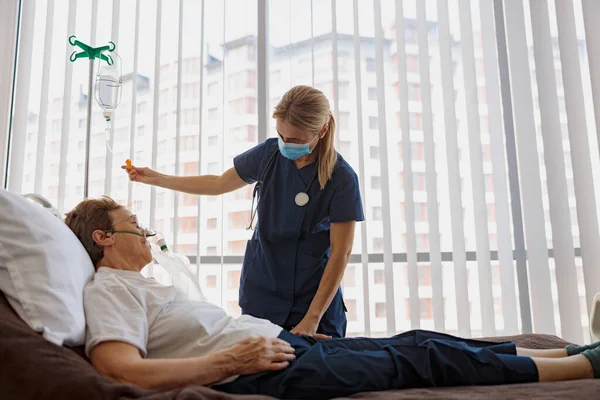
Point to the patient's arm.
(123, 362)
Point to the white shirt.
(159, 320)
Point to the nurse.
(308, 202)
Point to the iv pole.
(92, 53)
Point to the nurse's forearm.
(211, 185)
(332, 277)
(200, 185)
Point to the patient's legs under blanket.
(341, 367)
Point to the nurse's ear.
(324, 131)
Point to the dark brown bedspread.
(32, 368)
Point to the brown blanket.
(33, 368)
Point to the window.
(378, 245)
(233, 279)
(374, 152)
(212, 88)
(190, 200)
(211, 280)
(213, 113)
(344, 120)
(417, 151)
(414, 92)
(482, 95)
(480, 68)
(350, 277)
(410, 34)
(424, 308)
(190, 143)
(213, 167)
(141, 131)
(187, 224)
(377, 214)
(213, 140)
(237, 247)
(164, 96)
(251, 53)
(484, 123)
(239, 219)
(489, 183)
(141, 107)
(378, 277)
(346, 148)
(376, 182)
(493, 239)
(211, 250)
(250, 133)
(190, 117)
(160, 200)
(419, 181)
(496, 274)
(251, 105)
(243, 106)
(412, 64)
(275, 77)
(415, 121)
(233, 308)
(424, 274)
(211, 224)
(372, 93)
(344, 90)
(491, 208)
(373, 123)
(187, 249)
(487, 152)
(163, 121)
(351, 306)
(245, 193)
(422, 242)
(380, 310)
(371, 65)
(237, 81)
(189, 168)
(421, 212)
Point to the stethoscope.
(301, 199)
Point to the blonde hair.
(307, 108)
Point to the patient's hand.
(254, 355)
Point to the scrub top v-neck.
(289, 250)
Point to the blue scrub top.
(288, 252)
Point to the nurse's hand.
(259, 354)
(308, 327)
(143, 175)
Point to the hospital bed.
(34, 368)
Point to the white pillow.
(43, 270)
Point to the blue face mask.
(294, 151)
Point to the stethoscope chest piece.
(301, 199)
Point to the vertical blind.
(471, 125)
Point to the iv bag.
(109, 84)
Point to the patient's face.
(133, 248)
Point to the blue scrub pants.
(414, 359)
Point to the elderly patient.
(151, 335)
